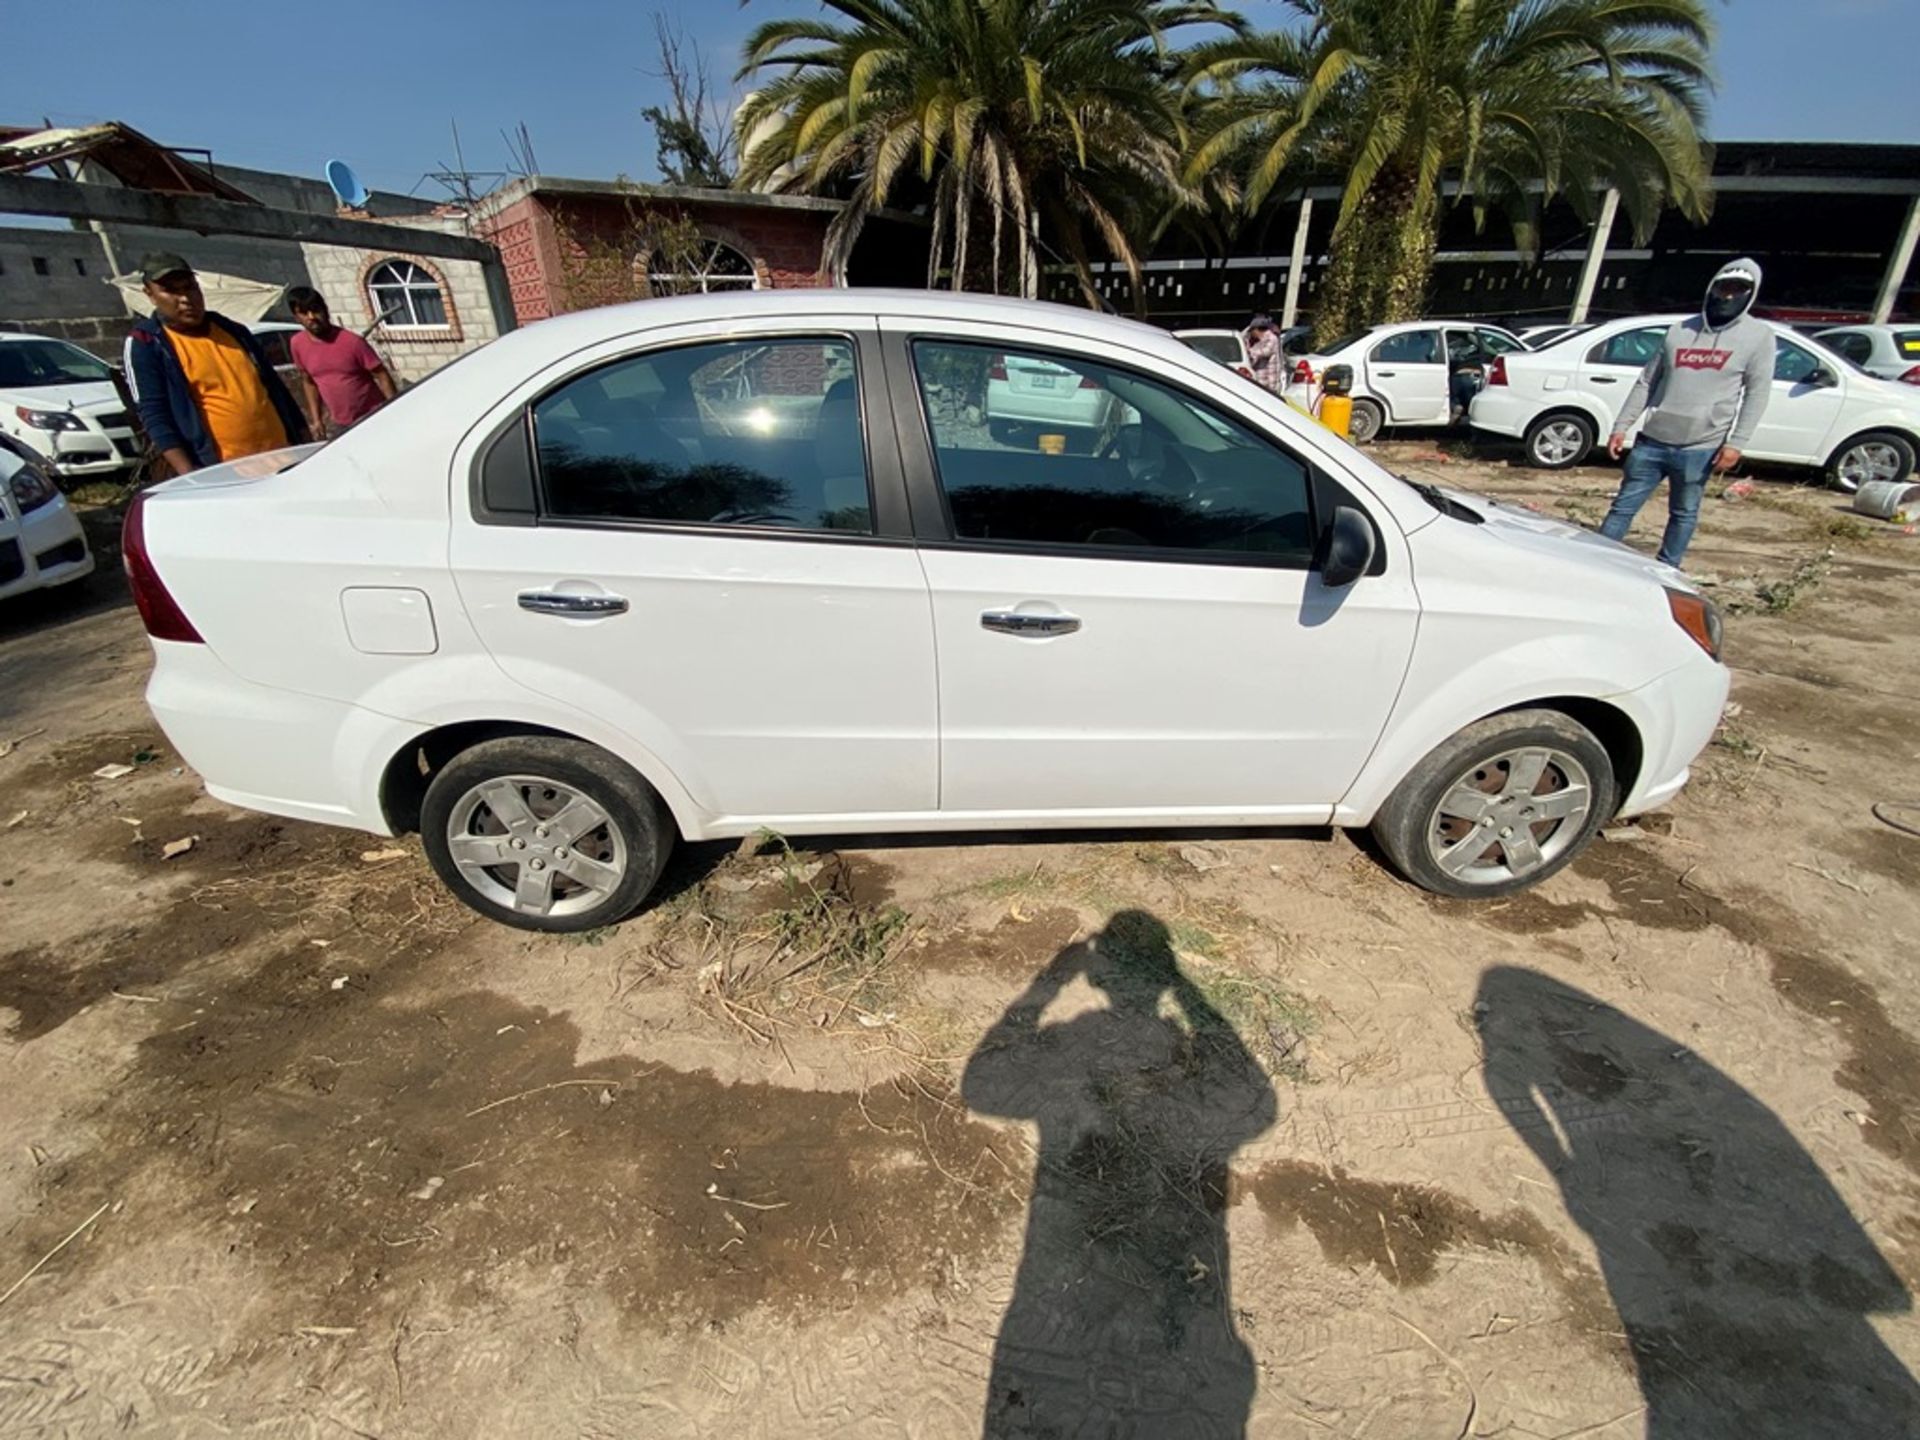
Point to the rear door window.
(755, 433)
(1850, 343)
(1165, 477)
(1629, 347)
(1409, 347)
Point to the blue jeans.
(1685, 471)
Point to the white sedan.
(572, 599)
(1824, 411)
(1890, 351)
(41, 542)
(61, 402)
(1402, 374)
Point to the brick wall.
(575, 251)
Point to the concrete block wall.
(340, 273)
(75, 285)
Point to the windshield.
(1345, 341)
(25, 364)
(1224, 348)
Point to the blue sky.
(376, 82)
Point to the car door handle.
(1605, 379)
(553, 602)
(1017, 622)
(1386, 374)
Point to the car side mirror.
(1347, 549)
(1823, 378)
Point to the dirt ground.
(1136, 1135)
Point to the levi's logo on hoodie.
(1701, 358)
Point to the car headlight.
(48, 419)
(32, 488)
(1698, 616)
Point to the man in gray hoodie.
(1708, 387)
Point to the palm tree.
(1019, 116)
(1519, 101)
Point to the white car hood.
(85, 395)
(1517, 525)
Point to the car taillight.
(1912, 377)
(997, 368)
(1302, 373)
(1497, 371)
(1243, 370)
(1087, 382)
(159, 611)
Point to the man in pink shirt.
(336, 366)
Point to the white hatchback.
(61, 402)
(1824, 411)
(703, 566)
(41, 541)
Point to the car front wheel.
(1500, 806)
(545, 833)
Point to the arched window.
(703, 266)
(404, 293)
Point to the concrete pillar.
(1897, 265)
(1596, 257)
(499, 293)
(1290, 313)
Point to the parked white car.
(574, 597)
(1539, 337)
(1402, 374)
(1224, 347)
(1890, 351)
(1825, 412)
(61, 402)
(41, 542)
(1029, 396)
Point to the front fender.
(1434, 707)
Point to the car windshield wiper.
(1445, 503)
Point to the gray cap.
(159, 263)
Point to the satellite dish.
(346, 185)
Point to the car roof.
(1208, 330)
(508, 359)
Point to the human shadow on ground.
(1742, 1280)
(1121, 1322)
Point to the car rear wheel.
(1500, 806)
(1368, 421)
(1555, 442)
(545, 833)
(1877, 455)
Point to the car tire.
(494, 801)
(1559, 441)
(1367, 423)
(1876, 455)
(1443, 837)
(1003, 432)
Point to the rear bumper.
(46, 547)
(1066, 408)
(1498, 410)
(269, 749)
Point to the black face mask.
(1725, 309)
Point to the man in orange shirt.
(205, 392)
